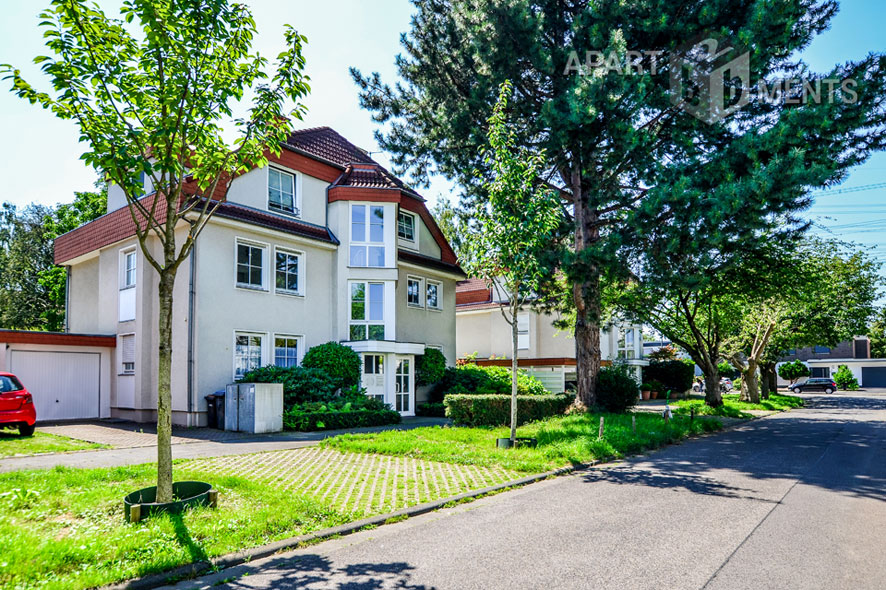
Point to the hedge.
(674, 375)
(495, 410)
(300, 385)
(308, 422)
(474, 379)
(431, 409)
(340, 362)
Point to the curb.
(195, 569)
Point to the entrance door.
(404, 393)
(374, 375)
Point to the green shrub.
(845, 379)
(727, 370)
(476, 380)
(674, 375)
(495, 410)
(616, 389)
(429, 367)
(352, 411)
(736, 384)
(300, 385)
(431, 409)
(340, 362)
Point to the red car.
(16, 405)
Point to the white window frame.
(301, 271)
(439, 285)
(263, 360)
(123, 363)
(124, 268)
(299, 346)
(366, 305)
(366, 243)
(296, 191)
(422, 295)
(622, 349)
(265, 267)
(414, 239)
(523, 336)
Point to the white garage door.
(65, 385)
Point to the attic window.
(281, 192)
(406, 226)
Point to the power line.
(850, 189)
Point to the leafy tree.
(845, 379)
(665, 353)
(877, 333)
(455, 227)
(793, 370)
(153, 103)
(513, 228)
(629, 163)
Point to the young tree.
(877, 333)
(516, 224)
(793, 370)
(153, 104)
(625, 156)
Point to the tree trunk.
(768, 383)
(164, 389)
(514, 369)
(586, 297)
(749, 390)
(712, 396)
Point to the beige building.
(543, 350)
(322, 244)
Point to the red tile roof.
(473, 292)
(326, 144)
(57, 338)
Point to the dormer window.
(281, 192)
(406, 226)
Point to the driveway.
(791, 501)
(137, 443)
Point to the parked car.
(16, 405)
(725, 385)
(825, 384)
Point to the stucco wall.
(251, 189)
(423, 325)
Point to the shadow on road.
(310, 571)
(840, 445)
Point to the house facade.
(323, 244)
(482, 333)
(823, 361)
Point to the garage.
(65, 385)
(873, 376)
(69, 375)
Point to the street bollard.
(600, 435)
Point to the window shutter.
(523, 330)
(127, 343)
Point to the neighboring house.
(543, 350)
(823, 361)
(322, 244)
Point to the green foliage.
(495, 410)
(562, 440)
(431, 409)
(429, 367)
(616, 389)
(300, 384)
(340, 414)
(727, 370)
(455, 227)
(845, 379)
(793, 370)
(665, 353)
(733, 407)
(877, 333)
(473, 379)
(340, 362)
(736, 383)
(674, 375)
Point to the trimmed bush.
(431, 409)
(476, 380)
(793, 371)
(300, 385)
(340, 362)
(495, 410)
(674, 375)
(347, 412)
(845, 379)
(616, 389)
(429, 367)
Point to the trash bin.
(215, 410)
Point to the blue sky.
(40, 153)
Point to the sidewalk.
(137, 443)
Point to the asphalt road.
(791, 501)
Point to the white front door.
(404, 400)
(374, 375)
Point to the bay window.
(367, 311)
(367, 235)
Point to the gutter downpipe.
(191, 297)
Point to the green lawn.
(64, 528)
(11, 444)
(562, 440)
(734, 408)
